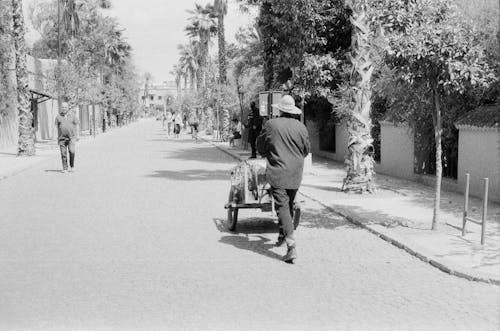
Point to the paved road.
(135, 240)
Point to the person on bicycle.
(194, 123)
(284, 142)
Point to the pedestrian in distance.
(164, 120)
(67, 133)
(284, 142)
(236, 131)
(184, 122)
(194, 123)
(169, 121)
(177, 124)
(254, 125)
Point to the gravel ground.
(135, 240)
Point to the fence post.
(466, 202)
(485, 210)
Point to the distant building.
(157, 97)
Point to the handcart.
(250, 190)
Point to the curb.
(444, 267)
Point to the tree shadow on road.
(202, 153)
(191, 175)
(324, 188)
(324, 219)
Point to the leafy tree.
(247, 65)
(436, 52)
(95, 52)
(291, 30)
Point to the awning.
(39, 97)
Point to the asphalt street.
(135, 240)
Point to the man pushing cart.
(273, 183)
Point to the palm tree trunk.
(178, 84)
(26, 143)
(193, 80)
(360, 160)
(439, 166)
(226, 123)
(199, 78)
(222, 50)
(202, 64)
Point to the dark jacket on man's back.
(285, 143)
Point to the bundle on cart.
(248, 181)
(250, 189)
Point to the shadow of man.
(256, 244)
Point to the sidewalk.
(11, 164)
(401, 213)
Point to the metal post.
(485, 210)
(466, 202)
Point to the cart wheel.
(232, 214)
(296, 215)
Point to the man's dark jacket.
(254, 124)
(285, 143)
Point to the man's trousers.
(67, 145)
(283, 199)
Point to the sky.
(154, 28)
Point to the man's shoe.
(64, 171)
(280, 241)
(291, 255)
(72, 169)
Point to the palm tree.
(26, 143)
(202, 26)
(220, 8)
(117, 50)
(189, 61)
(148, 78)
(70, 17)
(359, 160)
(178, 73)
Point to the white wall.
(312, 127)
(47, 112)
(479, 155)
(396, 150)
(341, 141)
